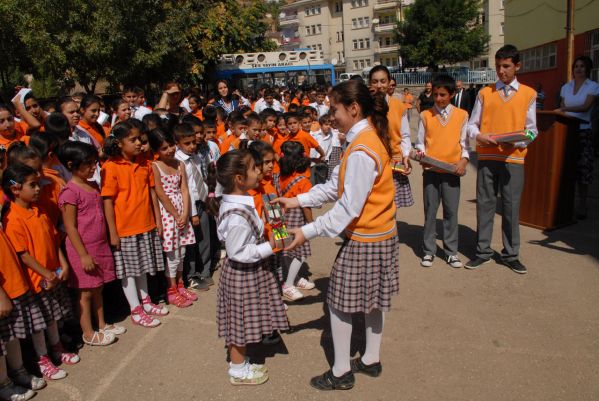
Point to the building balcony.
(386, 48)
(289, 20)
(385, 4)
(385, 28)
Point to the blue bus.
(292, 69)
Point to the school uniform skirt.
(248, 303)
(403, 191)
(365, 276)
(139, 254)
(56, 304)
(25, 318)
(294, 218)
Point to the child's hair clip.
(13, 182)
(211, 195)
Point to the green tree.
(438, 32)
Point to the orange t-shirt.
(230, 141)
(221, 132)
(12, 280)
(128, 184)
(93, 130)
(199, 115)
(295, 101)
(300, 187)
(19, 136)
(30, 230)
(305, 139)
(51, 186)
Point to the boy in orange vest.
(505, 106)
(442, 136)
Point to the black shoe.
(208, 280)
(272, 339)
(476, 263)
(372, 370)
(516, 266)
(196, 283)
(328, 381)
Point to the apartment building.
(492, 16)
(352, 34)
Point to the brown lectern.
(550, 173)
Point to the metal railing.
(467, 77)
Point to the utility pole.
(569, 39)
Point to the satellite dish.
(334, 61)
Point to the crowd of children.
(89, 197)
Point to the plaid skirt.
(364, 276)
(403, 192)
(294, 218)
(248, 303)
(334, 160)
(139, 254)
(56, 304)
(25, 318)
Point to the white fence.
(467, 77)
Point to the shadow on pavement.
(411, 235)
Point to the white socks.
(341, 328)
(294, 268)
(374, 334)
(237, 370)
(130, 290)
(174, 261)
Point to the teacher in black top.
(425, 100)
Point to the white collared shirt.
(475, 117)
(214, 151)
(322, 109)
(588, 88)
(138, 112)
(360, 174)
(324, 141)
(420, 143)
(261, 105)
(237, 234)
(197, 190)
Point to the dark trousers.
(198, 257)
(508, 180)
(445, 189)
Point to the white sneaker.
(427, 261)
(305, 284)
(247, 376)
(292, 293)
(454, 261)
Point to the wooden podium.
(550, 173)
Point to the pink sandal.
(177, 299)
(59, 354)
(155, 310)
(186, 293)
(143, 318)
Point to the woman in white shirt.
(577, 98)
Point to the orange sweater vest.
(499, 115)
(394, 115)
(376, 222)
(442, 138)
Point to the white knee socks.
(174, 261)
(294, 268)
(341, 328)
(374, 334)
(130, 290)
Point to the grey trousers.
(445, 189)
(198, 257)
(508, 179)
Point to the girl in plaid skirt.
(133, 219)
(366, 272)
(36, 242)
(18, 308)
(249, 304)
(294, 163)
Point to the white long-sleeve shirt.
(406, 140)
(420, 144)
(198, 190)
(360, 174)
(261, 105)
(475, 117)
(238, 235)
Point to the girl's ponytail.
(213, 203)
(380, 108)
(118, 132)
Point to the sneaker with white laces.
(249, 377)
(25, 379)
(305, 284)
(454, 261)
(13, 392)
(49, 370)
(427, 261)
(292, 293)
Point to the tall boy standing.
(505, 106)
